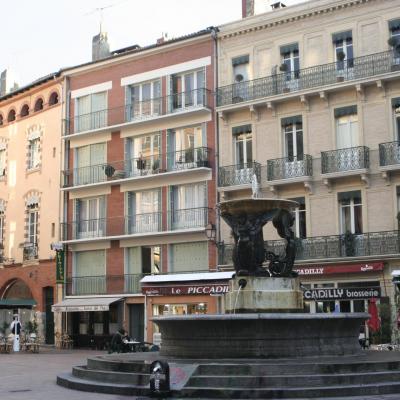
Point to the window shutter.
(291, 120)
(238, 130)
(289, 48)
(240, 60)
(349, 195)
(189, 257)
(396, 102)
(394, 24)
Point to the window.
(184, 147)
(343, 47)
(293, 135)
(241, 74)
(143, 154)
(30, 247)
(299, 214)
(144, 99)
(1, 229)
(53, 99)
(398, 200)
(90, 112)
(34, 153)
(290, 61)
(11, 116)
(350, 212)
(394, 40)
(188, 257)
(2, 163)
(90, 217)
(346, 127)
(89, 272)
(243, 140)
(187, 89)
(1, 119)
(38, 105)
(24, 110)
(396, 117)
(143, 211)
(90, 166)
(188, 206)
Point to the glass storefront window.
(83, 322)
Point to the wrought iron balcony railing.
(239, 174)
(288, 168)
(389, 154)
(307, 78)
(343, 160)
(139, 111)
(30, 252)
(136, 167)
(108, 284)
(188, 159)
(329, 247)
(139, 223)
(188, 218)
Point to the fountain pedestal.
(253, 294)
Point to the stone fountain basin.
(255, 206)
(263, 335)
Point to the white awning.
(85, 304)
(200, 276)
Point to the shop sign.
(180, 290)
(60, 266)
(80, 308)
(342, 293)
(338, 269)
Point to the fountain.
(264, 346)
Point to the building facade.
(138, 184)
(30, 134)
(308, 104)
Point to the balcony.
(98, 285)
(30, 252)
(239, 176)
(286, 170)
(320, 76)
(382, 244)
(139, 167)
(139, 224)
(389, 156)
(188, 218)
(345, 162)
(141, 112)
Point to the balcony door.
(189, 204)
(90, 217)
(143, 209)
(294, 151)
(243, 143)
(291, 66)
(89, 272)
(143, 154)
(187, 90)
(182, 146)
(91, 112)
(144, 100)
(90, 162)
(344, 55)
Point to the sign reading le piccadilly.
(205, 289)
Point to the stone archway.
(17, 289)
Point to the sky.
(43, 36)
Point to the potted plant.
(283, 67)
(392, 42)
(201, 158)
(340, 57)
(156, 166)
(3, 328)
(189, 155)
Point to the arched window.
(39, 104)
(53, 99)
(11, 116)
(24, 110)
(1, 119)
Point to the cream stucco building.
(308, 102)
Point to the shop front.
(182, 294)
(91, 322)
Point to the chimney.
(7, 82)
(100, 46)
(254, 7)
(247, 8)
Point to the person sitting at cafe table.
(117, 341)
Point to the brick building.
(309, 102)
(138, 184)
(29, 202)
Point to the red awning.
(339, 268)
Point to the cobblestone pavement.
(26, 376)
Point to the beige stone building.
(309, 103)
(30, 137)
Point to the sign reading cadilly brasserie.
(190, 289)
(342, 293)
(338, 269)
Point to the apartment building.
(30, 133)
(309, 105)
(139, 188)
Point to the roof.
(198, 276)
(36, 82)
